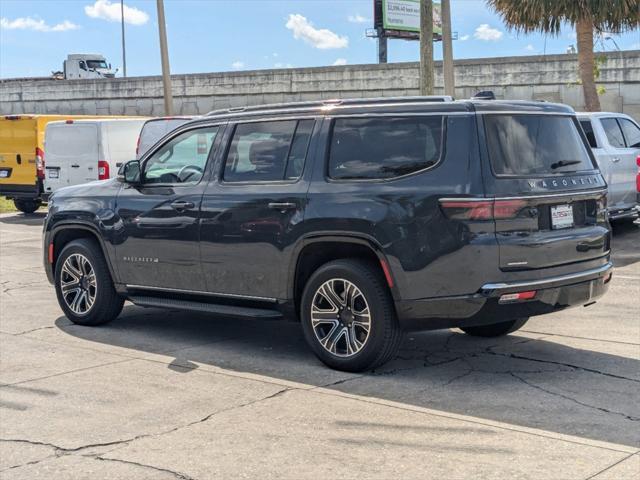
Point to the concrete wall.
(550, 77)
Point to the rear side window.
(588, 131)
(631, 133)
(385, 147)
(535, 144)
(268, 151)
(613, 132)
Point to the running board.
(228, 310)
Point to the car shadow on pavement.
(32, 219)
(522, 379)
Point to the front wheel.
(495, 329)
(348, 317)
(83, 284)
(27, 206)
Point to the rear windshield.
(154, 130)
(535, 145)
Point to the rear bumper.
(483, 308)
(620, 214)
(28, 192)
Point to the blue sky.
(224, 35)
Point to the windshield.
(97, 64)
(535, 145)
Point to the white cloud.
(38, 25)
(464, 38)
(237, 65)
(106, 10)
(358, 19)
(340, 61)
(530, 48)
(319, 38)
(487, 33)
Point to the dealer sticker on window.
(561, 216)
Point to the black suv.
(361, 218)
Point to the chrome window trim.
(524, 197)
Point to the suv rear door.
(253, 210)
(549, 196)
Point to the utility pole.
(382, 47)
(164, 55)
(124, 54)
(447, 49)
(426, 47)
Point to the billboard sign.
(401, 18)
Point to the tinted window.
(535, 144)
(154, 130)
(631, 133)
(614, 134)
(378, 148)
(268, 151)
(588, 130)
(181, 160)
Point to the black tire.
(27, 206)
(107, 304)
(495, 329)
(384, 334)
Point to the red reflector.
(12, 117)
(39, 163)
(638, 160)
(69, 122)
(517, 297)
(387, 272)
(103, 170)
(51, 253)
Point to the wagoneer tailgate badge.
(564, 182)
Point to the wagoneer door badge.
(564, 182)
(140, 259)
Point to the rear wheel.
(27, 206)
(495, 329)
(83, 284)
(348, 316)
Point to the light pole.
(164, 55)
(124, 53)
(426, 47)
(447, 49)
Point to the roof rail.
(313, 104)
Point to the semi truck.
(85, 65)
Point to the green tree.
(585, 16)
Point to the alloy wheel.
(340, 317)
(78, 284)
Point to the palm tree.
(585, 15)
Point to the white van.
(81, 151)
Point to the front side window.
(613, 132)
(268, 151)
(385, 147)
(526, 144)
(631, 133)
(182, 160)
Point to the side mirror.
(109, 66)
(129, 172)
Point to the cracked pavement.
(173, 395)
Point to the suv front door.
(252, 211)
(158, 243)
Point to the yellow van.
(22, 157)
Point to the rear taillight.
(464, 209)
(103, 170)
(39, 163)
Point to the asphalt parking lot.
(165, 394)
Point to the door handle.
(180, 205)
(75, 165)
(282, 206)
(615, 159)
